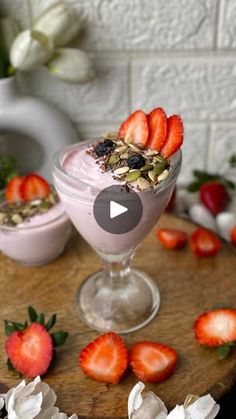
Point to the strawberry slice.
(153, 362)
(31, 350)
(13, 189)
(137, 127)
(233, 236)
(204, 242)
(214, 197)
(157, 123)
(105, 359)
(174, 137)
(216, 327)
(171, 238)
(34, 187)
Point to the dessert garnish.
(138, 152)
(26, 197)
(105, 359)
(171, 238)
(217, 329)
(152, 362)
(30, 347)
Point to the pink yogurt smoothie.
(79, 189)
(39, 239)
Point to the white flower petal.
(135, 399)
(49, 395)
(30, 50)
(71, 65)
(48, 413)
(29, 407)
(179, 412)
(2, 402)
(146, 405)
(58, 22)
(203, 408)
(225, 222)
(12, 395)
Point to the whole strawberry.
(29, 347)
(214, 196)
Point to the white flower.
(9, 30)
(32, 401)
(71, 65)
(58, 22)
(30, 50)
(149, 406)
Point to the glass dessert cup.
(36, 245)
(117, 297)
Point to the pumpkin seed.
(133, 175)
(121, 149)
(143, 183)
(121, 170)
(124, 156)
(146, 167)
(152, 175)
(128, 139)
(160, 159)
(113, 159)
(163, 175)
(159, 168)
(112, 135)
(134, 147)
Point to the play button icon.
(117, 209)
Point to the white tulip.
(71, 65)
(9, 30)
(58, 22)
(200, 215)
(30, 50)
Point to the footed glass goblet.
(117, 297)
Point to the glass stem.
(117, 272)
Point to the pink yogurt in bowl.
(38, 239)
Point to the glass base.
(121, 306)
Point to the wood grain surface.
(188, 286)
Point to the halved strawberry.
(31, 350)
(174, 137)
(233, 235)
(136, 125)
(13, 189)
(34, 187)
(153, 362)
(216, 327)
(105, 359)
(157, 123)
(204, 242)
(171, 238)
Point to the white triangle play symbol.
(116, 209)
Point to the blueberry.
(136, 161)
(101, 149)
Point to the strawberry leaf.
(59, 338)
(19, 326)
(224, 350)
(51, 322)
(9, 328)
(32, 314)
(41, 319)
(9, 365)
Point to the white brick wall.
(179, 54)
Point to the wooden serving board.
(188, 286)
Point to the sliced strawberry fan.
(154, 131)
(26, 188)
